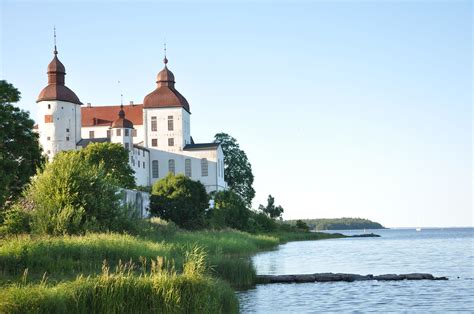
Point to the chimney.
(131, 103)
(89, 105)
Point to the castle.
(157, 133)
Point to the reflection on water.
(442, 252)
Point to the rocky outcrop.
(332, 277)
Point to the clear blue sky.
(344, 108)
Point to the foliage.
(271, 210)
(160, 291)
(300, 224)
(20, 153)
(237, 168)
(114, 158)
(340, 223)
(71, 196)
(229, 211)
(15, 221)
(181, 200)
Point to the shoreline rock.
(334, 277)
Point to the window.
(118, 132)
(139, 164)
(154, 169)
(154, 142)
(171, 141)
(170, 123)
(187, 167)
(143, 153)
(127, 146)
(143, 165)
(204, 167)
(133, 161)
(48, 152)
(108, 133)
(48, 138)
(127, 132)
(171, 166)
(67, 130)
(48, 118)
(67, 138)
(91, 134)
(153, 124)
(134, 133)
(49, 106)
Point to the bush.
(181, 200)
(260, 222)
(300, 224)
(72, 196)
(15, 221)
(229, 211)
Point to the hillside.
(344, 223)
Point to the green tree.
(181, 200)
(238, 170)
(271, 210)
(114, 158)
(229, 211)
(300, 224)
(72, 196)
(20, 153)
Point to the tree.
(181, 200)
(229, 211)
(20, 153)
(300, 224)
(271, 210)
(237, 168)
(72, 196)
(114, 158)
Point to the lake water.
(441, 252)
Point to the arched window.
(204, 167)
(171, 166)
(187, 167)
(154, 169)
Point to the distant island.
(339, 223)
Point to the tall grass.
(160, 291)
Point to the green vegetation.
(20, 153)
(238, 170)
(181, 200)
(270, 209)
(339, 224)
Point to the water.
(441, 252)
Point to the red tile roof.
(105, 115)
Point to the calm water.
(441, 252)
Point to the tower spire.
(165, 60)
(55, 50)
(121, 112)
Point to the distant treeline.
(339, 224)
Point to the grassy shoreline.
(64, 261)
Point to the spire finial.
(55, 50)
(121, 112)
(165, 60)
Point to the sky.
(344, 108)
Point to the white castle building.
(157, 133)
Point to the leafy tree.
(20, 153)
(72, 196)
(181, 200)
(271, 210)
(114, 158)
(300, 224)
(238, 170)
(229, 211)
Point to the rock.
(366, 235)
(417, 276)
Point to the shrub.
(181, 200)
(229, 211)
(71, 196)
(15, 221)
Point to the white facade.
(59, 126)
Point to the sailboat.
(418, 229)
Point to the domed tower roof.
(121, 122)
(56, 90)
(165, 95)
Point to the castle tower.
(121, 131)
(59, 122)
(166, 115)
